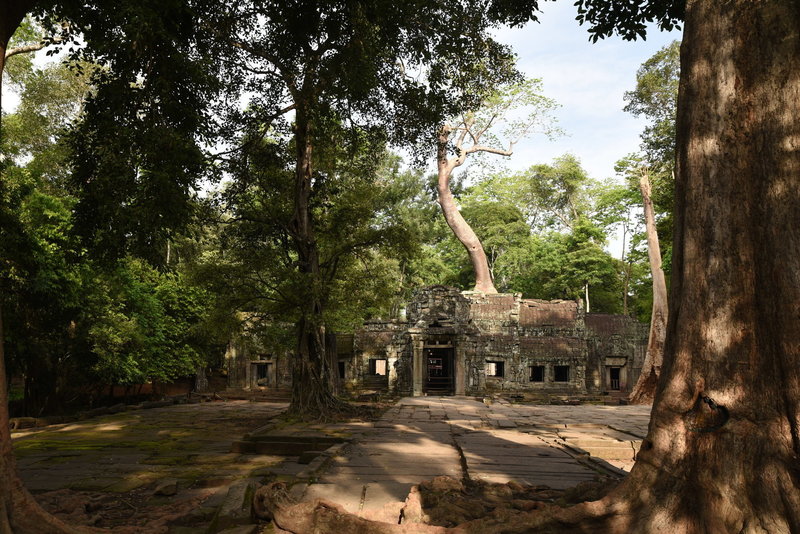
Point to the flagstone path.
(423, 437)
(124, 457)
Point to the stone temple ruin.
(471, 343)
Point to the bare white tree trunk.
(460, 227)
(645, 388)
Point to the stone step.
(608, 453)
(237, 508)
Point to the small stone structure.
(471, 343)
(250, 366)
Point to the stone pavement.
(120, 459)
(423, 437)
(153, 469)
(121, 452)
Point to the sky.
(589, 81)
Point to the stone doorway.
(262, 374)
(439, 365)
(614, 378)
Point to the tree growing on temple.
(476, 132)
(357, 73)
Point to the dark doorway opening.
(341, 366)
(261, 374)
(439, 371)
(614, 376)
(561, 373)
(537, 373)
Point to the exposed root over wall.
(442, 506)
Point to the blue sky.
(588, 80)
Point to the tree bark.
(645, 388)
(460, 227)
(312, 379)
(586, 295)
(626, 271)
(733, 328)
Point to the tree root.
(445, 506)
(23, 515)
(273, 502)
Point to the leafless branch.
(25, 49)
(490, 150)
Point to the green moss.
(172, 459)
(32, 445)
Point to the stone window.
(495, 368)
(561, 373)
(341, 370)
(377, 366)
(537, 373)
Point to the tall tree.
(720, 455)
(152, 78)
(472, 133)
(559, 192)
(655, 97)
(18, 510)
(353, 71)
(645, 387)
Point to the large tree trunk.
(460, 227)
(312, 379)
(645, 388)
(733, 326)
(721, 454)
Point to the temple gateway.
(471, 343)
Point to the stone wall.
(491, 343)
(501, 343)
(251, 366)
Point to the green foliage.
(17, 67)
(558, 192)
(50, 98)
(137, 151)
(503, 229)
(629, 19)
(656, 98)
(368, 232)
(543, 230)
(145, 325)
(69, 323)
